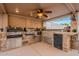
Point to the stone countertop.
(67, 33)
(1, 32)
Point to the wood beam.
(25, 17)
(39, 6)
(71, 7)
(3, 8)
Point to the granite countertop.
(67, 33)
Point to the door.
(58, 41)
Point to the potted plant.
(74, 30)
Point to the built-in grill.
(14, 32)
(14, 38)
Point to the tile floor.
(38, 49)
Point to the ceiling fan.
(40, 13)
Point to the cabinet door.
(58, 41)
(18, 42)
(8, 43)
(13, 43)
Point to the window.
(58, 23)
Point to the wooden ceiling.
(25, 9)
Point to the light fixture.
(40, 14)
(17, 10)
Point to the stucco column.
(78, 24)
(5, 20)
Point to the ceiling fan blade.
(45, 15)
(48, 11)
